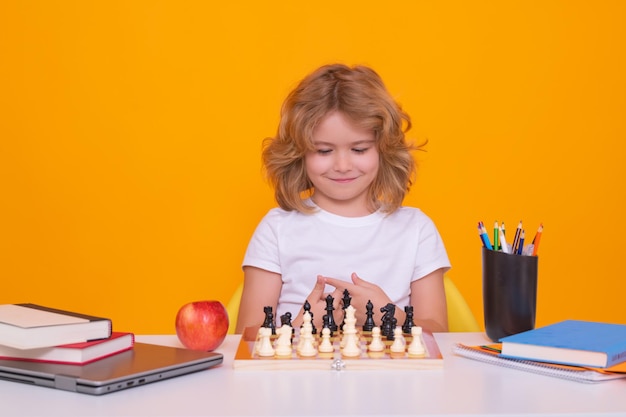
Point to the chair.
(460, 317)
(233, 309)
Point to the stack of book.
(31, 332)
(583, 351)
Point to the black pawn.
(369, 317)
(325, 323)
(408, 322)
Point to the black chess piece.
(325, 323)
(345, 301)
(369, 317)
(269, 319)
(389, 322)
(408, 322)
(307, 309)
(313, 328)
(329, 311)
(285, 319)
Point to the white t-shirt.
(390, 250)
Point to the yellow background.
(130, 177)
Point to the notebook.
(491, 354)
(143, 364)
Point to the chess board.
(246, 359)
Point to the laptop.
(143, 364)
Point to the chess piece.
(326, 346)
(376, 345)
(329, 311)
(388, 321)
(306, 345)
(349, 325)
(282, 346)
(408, 322)
(369, 324)
(269, 319)
(399, 343)
(416, 347)
(307, 309)
(345, 301)
(285, 319)
(350, 338)
(264, 344)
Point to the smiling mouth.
(343, 180)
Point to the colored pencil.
(537, 239)
(518, 231)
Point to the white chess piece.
(306, 345)
(349, 325)
(350, 339)
(376, 345)
(326, 346)
(283, 343)
(265, 345)
(399, 343)
(416, 347)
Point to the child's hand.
(361, 292)
(317, 300)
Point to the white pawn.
(326, 346)
(306, 345)
(264, 344)
(399, 343)
(376, 345)
(351, 346)
(283, 343)
(416, 347)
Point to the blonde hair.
(359, 94)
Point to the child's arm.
(261, 288)
(428, 298)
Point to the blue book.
(570, 342)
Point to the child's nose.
(343, 162)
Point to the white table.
(462, 387)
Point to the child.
(340, 167)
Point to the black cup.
(509, 293)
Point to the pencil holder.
(509, 293)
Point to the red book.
(75, 353)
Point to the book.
(74, 353)
(570, 342)
(30, 326)
(491, 354)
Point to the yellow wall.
(130, 138)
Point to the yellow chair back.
(460, 316)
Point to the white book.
(30, 326)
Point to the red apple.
(202, 325)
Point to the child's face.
(343, 165)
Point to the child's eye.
(360, 150)
(324, 151)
